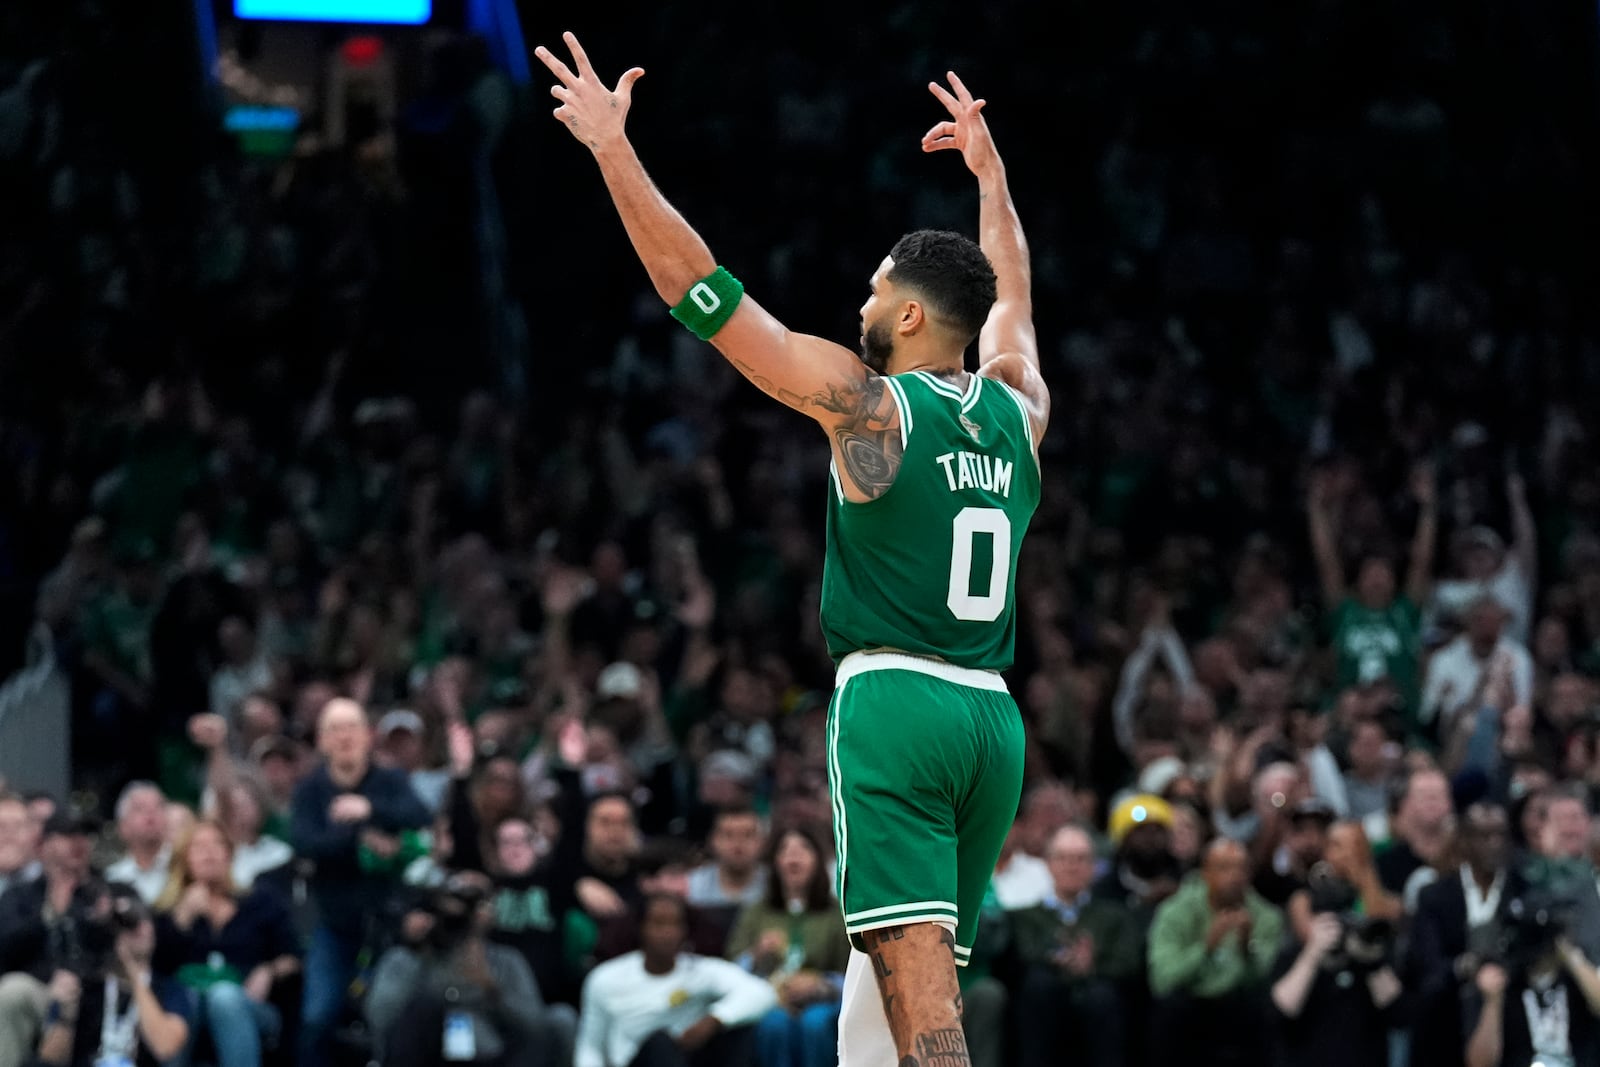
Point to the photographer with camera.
(117, 1015)
(1540, 996)
(452, 996)
(43, 924)
(1336, 993)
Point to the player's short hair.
(950, 272)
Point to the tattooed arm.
(811, 375)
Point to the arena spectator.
(41, 932)
(794, 938)
(734, 876)
(402, 743)
(659, 1006)
(19, 843)
(1212, 949)
(142, 829)
(226, 946)
(1291, 863)
(1420, 825)
(349, 818)
(1337, 994)
(1454, 929)
(1144, 871)
(1077, 953)
(454, 996)
(1459, 672)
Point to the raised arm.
(1419, 576)
(1324, 539)
(810, 374)
(1008, 348)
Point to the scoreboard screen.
(388, 12)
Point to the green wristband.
(709, 303)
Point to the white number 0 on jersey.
(968, 524)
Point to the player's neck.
(944, 368)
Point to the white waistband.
(862, 662)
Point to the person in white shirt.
(1020, 880)
(142, 827)
(660, 1006)
(1459, 673)
(1484, 565)
(245, 667)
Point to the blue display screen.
(391, 12)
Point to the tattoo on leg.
(908, 1061)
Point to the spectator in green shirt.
(1212, 949)
(1376, 630)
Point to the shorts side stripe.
(841, 833)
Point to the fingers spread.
(961, 90)
(558, 68)
(944, 97)
(578, 54)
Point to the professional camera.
(92, 936)
(1527, 928)
(454, 908)
(1365, 943)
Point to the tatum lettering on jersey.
(973, 470)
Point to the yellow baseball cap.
(1135, 811)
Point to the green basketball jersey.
(930, 566)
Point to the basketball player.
(934, 479)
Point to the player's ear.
(913, 316)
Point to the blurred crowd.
(415, 723)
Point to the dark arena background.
(342, 431)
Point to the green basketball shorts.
(925, 775)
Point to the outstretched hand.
(593, 113)
(965, 130)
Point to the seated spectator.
(1144, 872)
(257, 855)
(19, 842)
(142, 829)
(1286, 873)
(1076, 951)
(1337, 995)
(41, 923)
(348, 819)
(451, 995)
(734, 876)
(663, 1007)
(795, 939)
(226, 946)
(1212, 948)
(121, 1013)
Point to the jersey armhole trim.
(1027, 420)
(903, 402)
